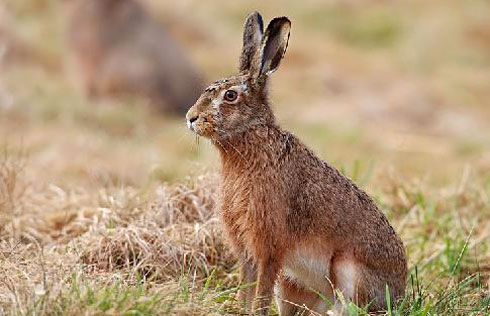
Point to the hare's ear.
(252, 37)
(274, 45)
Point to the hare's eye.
(230, 95)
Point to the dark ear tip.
(282, 20)
(279, 24)
(256, 18)
(254, 13)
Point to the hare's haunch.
(298, 225)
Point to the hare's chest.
(243, 198)
(245, 213)
(234, 201)
(234, 205)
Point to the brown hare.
(298, 225)
(119, 48)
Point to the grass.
(122, 250)
(106, 208)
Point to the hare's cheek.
(232, 121)
(208, 123)
(230, 115)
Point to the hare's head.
(237, 104)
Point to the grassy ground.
(106, 208)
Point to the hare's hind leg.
(293, 300)
(347, 279)
(363, 286)
(373, 285)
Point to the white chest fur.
(309, 270)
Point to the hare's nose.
(190, 122)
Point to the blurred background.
(101, 182)
(96, 91)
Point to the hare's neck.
(252, 150)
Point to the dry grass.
(116, 232)
(71, 252)
(178, 232)
(11, 186)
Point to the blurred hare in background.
(119, 49)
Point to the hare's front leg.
(268, 270)
(248, 276)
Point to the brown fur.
(120, 49)
(289, 215)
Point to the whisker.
(239, 153)
(197, 146)
(221, 145)
(182, 137)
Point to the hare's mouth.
(192, 122)
(200, 128)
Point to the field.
(108, 209)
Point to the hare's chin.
(196, 130)
(193, 128)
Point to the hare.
(119, 48)
(298, 225)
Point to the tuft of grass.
(108, 297)
(12, 186)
